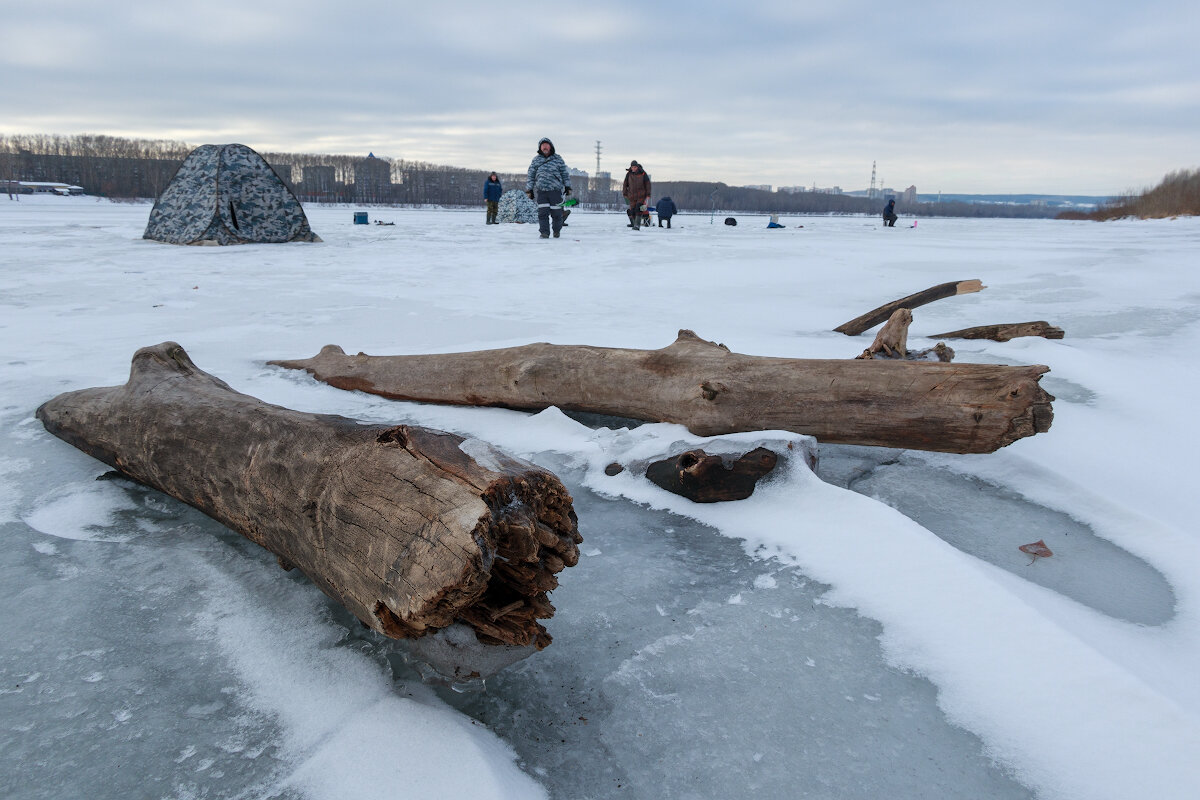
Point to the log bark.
(956, 408)
(704, 478)
(409, 528)
(1005, 331)
(872, 318)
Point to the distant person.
(774, 222)
(636, 191)
(492, 189)
(666, 209)
(889, 213)
(547, 182)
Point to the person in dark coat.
(492, 189)
(547, 183)
(666, 209)
(636, 191)
(889, 213)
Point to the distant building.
(284, 171)
(318, 179)
(579, 179)
(40, 187)
(813, 189)
(372, 180)
(319, 182)
(909, 195)
(762, 187)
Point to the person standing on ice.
(492, 189)
(889, 213)
(546, 184)
(636, 191)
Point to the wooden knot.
(397, 435)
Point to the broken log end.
(1038, 414)
(689, 337)
(309, 364)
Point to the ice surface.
(657, 685)
(992, 523)
(885, 641)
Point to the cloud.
(1068, 97)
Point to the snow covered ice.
(867, 630)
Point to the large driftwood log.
(872, 318)
(956, 408)
(1005, 331)
(410, 529)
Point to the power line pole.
(871, 191)
(597, 158)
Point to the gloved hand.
(567, 192)
(530, 193)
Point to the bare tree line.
(1177, 195)
(720, 198)
(110, 166)
(116, 167)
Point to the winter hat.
(634, 164)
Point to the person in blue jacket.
(666, 209)
(492, 189)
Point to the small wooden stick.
(1005, 331)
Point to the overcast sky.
(1049, 97)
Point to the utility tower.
(871, 191)
(597, 158)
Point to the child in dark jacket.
(666, 209)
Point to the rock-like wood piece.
(704, 478)
(409, 528)
(956, 408)
(892, 339)
(872, 318)
(1005, 331)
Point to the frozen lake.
(869, 630)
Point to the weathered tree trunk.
(872, 318)
(1005, 331)
(956, 408)
(409, 528)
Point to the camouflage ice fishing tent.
(515, 206)
(227, 194)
